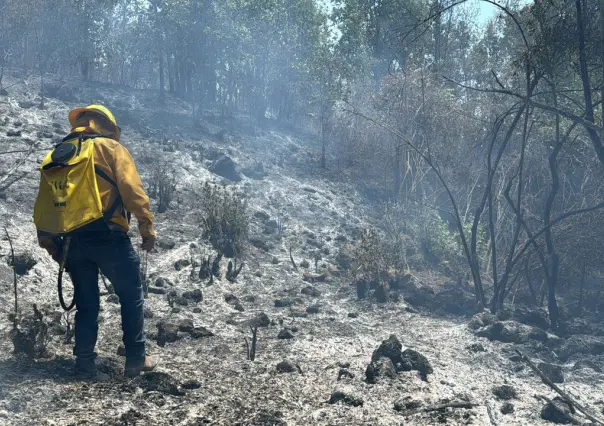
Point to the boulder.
(413, 360)
(512, 332)
(456, 301)
(167, 333)
(256, 172)
(585, 364)
(381, 368)
(558, 411)
(482, 319)
(536, 317)
(581, 344)
(552, 372)
(224, 166)
(390, 348)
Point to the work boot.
(85, 369)
(135, 367)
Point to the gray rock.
(262, 215)
(413, 360)
(224, 166)
(345, 397)
(147, 312)
(113, 298)
(261, 320)
(288, 367)
(552, 372)
(181, 264)
(536, 317)
(455, 300)
(557, 411)
(195, 295)
(157, 290)
(260, 243)
(507, 408)
(345, 373)
(482, 319)
(166, 333)
(313, 309)
(166, 243)
(181, 301)
(389, 348)
(285, 334)
(381, 368)
(24, 262)
(345, 257)
(283, 303)
(163, 282)
(585, 364)
(512, 332)
(200, 332)
(505, 392)
(407, 403)
(476, 347)
(311, 291)
(581, 344)
(186, 325)
(305, 264)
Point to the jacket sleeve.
(131, 190)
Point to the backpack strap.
(118, 201)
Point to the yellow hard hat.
(75, 114)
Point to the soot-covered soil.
(204, 376)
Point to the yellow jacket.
(115, 160)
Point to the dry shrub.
(163, 183)
(225, 218)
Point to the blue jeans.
(110, 251)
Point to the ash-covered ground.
(315, 340)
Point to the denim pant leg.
(84, 275)
(121, 265)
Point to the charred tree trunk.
(162, 95)
(589, 109)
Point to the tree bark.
(589, 109)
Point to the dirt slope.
(224, 387)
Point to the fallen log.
(560, 392)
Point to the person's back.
(89, 186)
